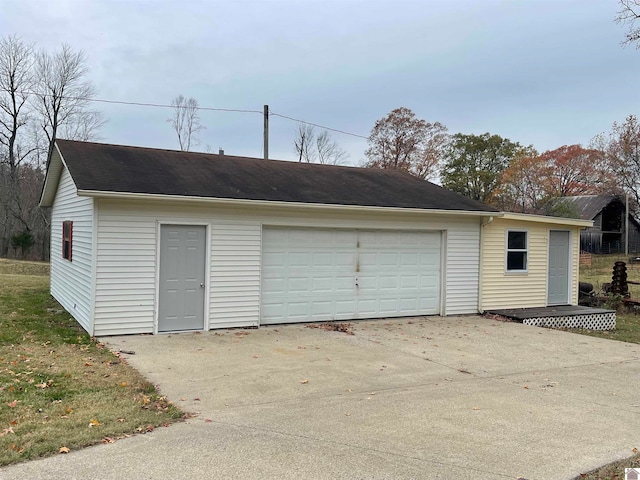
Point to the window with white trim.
(517, 251)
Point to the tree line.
(43, 95)
(46, 94)
(502, 172)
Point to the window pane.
(516, 260)
(517, 240)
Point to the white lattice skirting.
(592, 321)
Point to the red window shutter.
(67, 239)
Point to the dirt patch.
(333, 327)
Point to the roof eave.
(576, 222)
(269, 203)
(52, 178)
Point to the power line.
(319, 126)
(209, 109)
(137, 104)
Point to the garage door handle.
(202, 285)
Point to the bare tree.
(622, 149)
(313, 148)
(41, 95)
(185, 121)
(64, 93)
(16, 83)
(627, 15)
(329, 152)
(85, 126)
(404, 142)
(303, 143)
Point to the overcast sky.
(540, 72)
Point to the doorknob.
(202, 285)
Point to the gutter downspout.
(483, 223)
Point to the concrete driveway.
(460, 397)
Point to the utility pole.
(266, 132)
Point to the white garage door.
(321, 274)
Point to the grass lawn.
(627, 321)
(59, 389)
(627, 330)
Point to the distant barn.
(608, 232)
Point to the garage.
(278, 241)
(315, 274)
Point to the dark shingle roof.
(116, 168)
(588, 206)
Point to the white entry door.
(182, 278)
(558, 278)
(311, 274)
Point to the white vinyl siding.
(235, 274)
(71, 282)
(126, 257)
(462, 267)
(125, 273)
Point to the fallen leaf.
(88, 364)
(527, 387)
(6, 430)
(208, 420)
(13, 404)
(63, 450)
(196, 399)
(68, 409)
(108, 440)
(41, 385)
(123, 384)
(255, 356)
(634, 450)
(476, 408)
(94, 423)
(304, 381)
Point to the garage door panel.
(345, 259)
(322, 274)
(299, 285)
(409, 281)
(409, 259)
(367, 307)
(344, 284)
(388, 305)
(388, 282)
(345, 308)
(323, 284)
(324, 259)
(273, 285)
(322, 308)
(429, 281)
